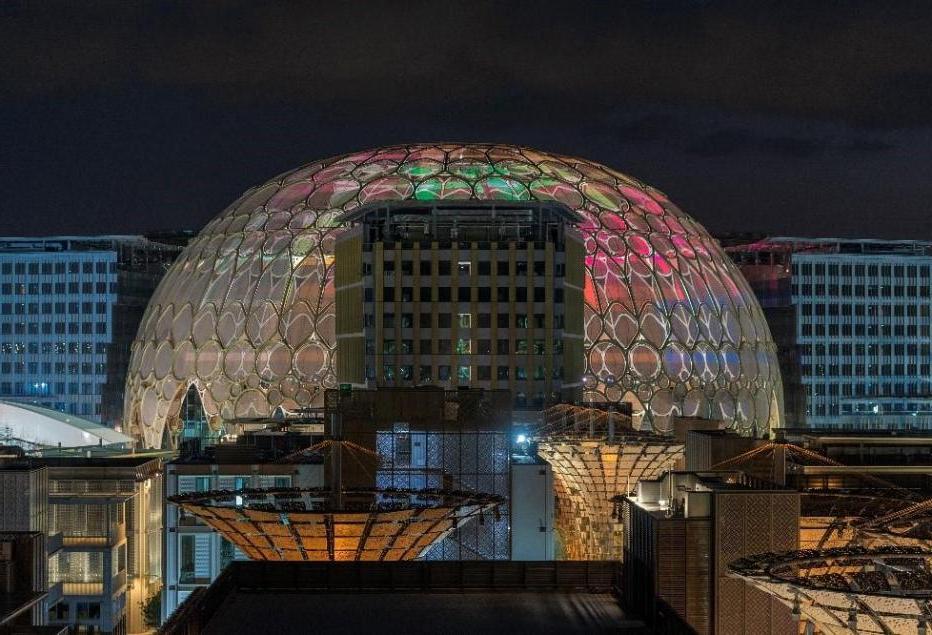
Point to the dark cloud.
(732, 141)
(123, 116)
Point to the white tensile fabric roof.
(44, 427)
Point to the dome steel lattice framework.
(307, 524)
(591, 465)
(246, 314)
(850, 590)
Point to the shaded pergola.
(597, 455)
(314, 524)
(886, 590)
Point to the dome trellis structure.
(246, 314)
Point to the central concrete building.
(480, 294)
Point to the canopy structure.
(866, 518)
(317, 524)
(907, 525)
(850, 590)
(595, 456)
(33, 427)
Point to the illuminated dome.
(246, 313)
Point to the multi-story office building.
(101, 519)
(487, 295)
(863, 326)
(108, 512)
(69, 309)
(195, 554)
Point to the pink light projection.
(246, 314)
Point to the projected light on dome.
(246, 314)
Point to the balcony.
(82, 588)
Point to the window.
(425, 347)
(503, 372)
(485, 320)
(424, 294)
(444, 320)
(503, 347)
(463, 346)
(444, 268)
(425, 320)
(425, 373)
(503, 267)
(443, 373)
(465, 320)
(463, 294)
(521, 321)
(484, 347)
(485, 268)
(464, 267)
(463, 373)
(443, 294)
(501, 294)
(425, 267)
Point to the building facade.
(481, 295)
(681, 533)
(69, 310)
(863, 326)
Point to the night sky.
(810, 117)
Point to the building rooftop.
(42, 427)
(412, 597)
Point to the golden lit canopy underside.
(852, 590)
(302, 525)
(588, 473)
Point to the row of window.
(60, 348)
(860, 270)
(463, 320)
(56, 328)
(864, 370)
(861, 330)
(834, 409)
(464, 267)
(60, 368)
(50, 268)
(53, 308)
(860, 290)
(866, 389)
(465, 346)
(464, 294)
(59, 288)
(40, 389)
(881, 310)
(405, 372)
(849, 348)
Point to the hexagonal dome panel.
(246, 313)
